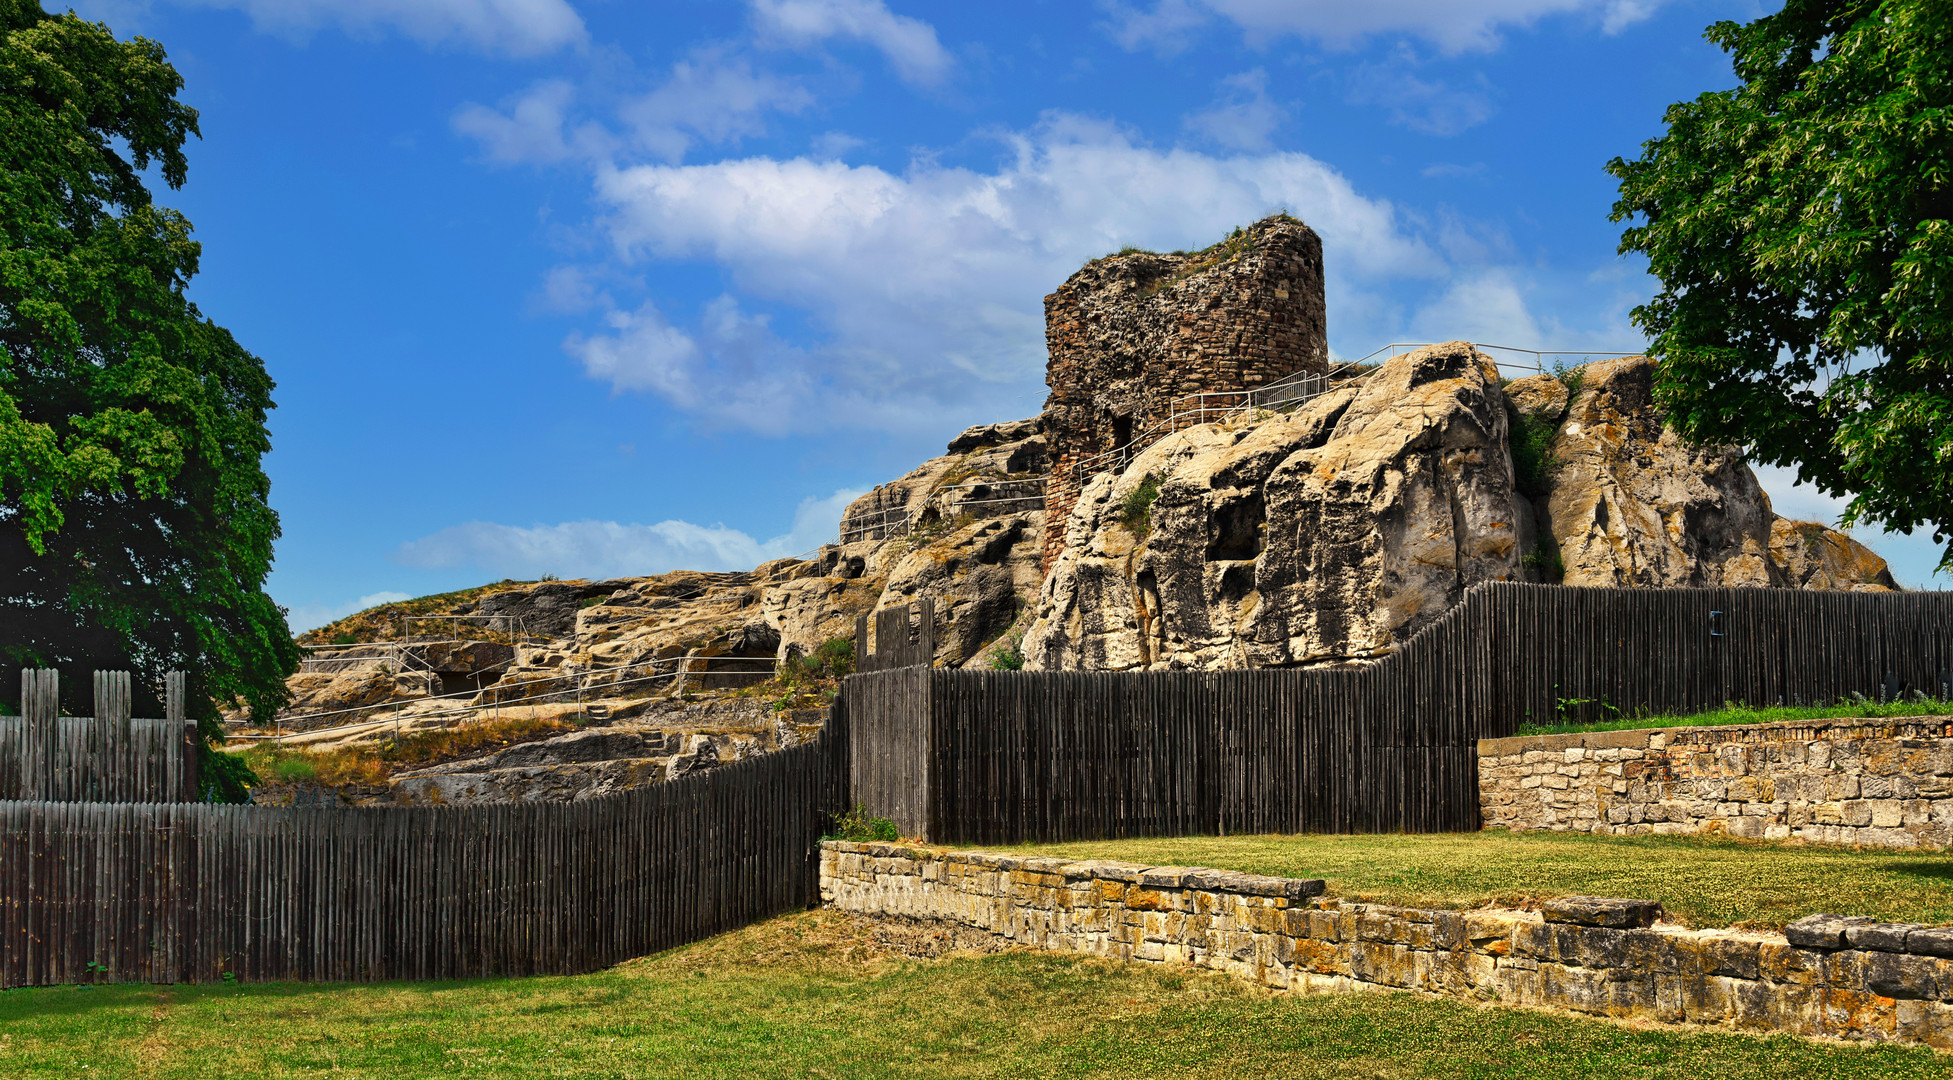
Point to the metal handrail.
(652, 663)
(1290, 391)
(470, 709)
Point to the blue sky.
(592, 287)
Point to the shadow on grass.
(1942, 870)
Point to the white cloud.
(735, 373)
(516, 27)
(1452, 25)
(532, 128)
(1243, 117)
(928, 283)
(312, 616)
(598, 549)
(1433, 108)
(1485, 305)
(709, 98)
(910, 45)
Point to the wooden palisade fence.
(102, 892)
(984, 757)
(109, 757)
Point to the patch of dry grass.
(373, 763)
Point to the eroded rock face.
(1631, 505)
(1332, 534)
(1324, 536)
(1814, 556)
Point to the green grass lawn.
(1743, 714)
(1702, 881)
(816, 995)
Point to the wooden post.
(40, 703)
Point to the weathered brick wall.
(1887, 783)
(1847, 978)
(1128, 334)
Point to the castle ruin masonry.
(1131, 334)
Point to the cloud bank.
(598, 549)
(512, 27)
(1454, 26)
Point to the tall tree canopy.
(1799, 225)
(134, 524)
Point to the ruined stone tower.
(1131, 334)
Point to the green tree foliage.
(1799, 226)
(134, 525)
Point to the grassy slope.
(811, 995)
(382, 623)
(1703, 881)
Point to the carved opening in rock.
(1237, 530)
(462, 682)
(1237, 582)
(1121, 431)
(929, 519)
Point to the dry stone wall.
(1884, 783)
(1826, 976)
(1130, 333)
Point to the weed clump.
(1136, 512)
(858, 825)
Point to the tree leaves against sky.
(134, 523)
(1799, 225)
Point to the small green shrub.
(549, 577)
(857, 825)
(292, 770)
(1570, 377)
(1532, 454)
(1009, 656)
(1545, 558)
(345, 639)
(1136, 513)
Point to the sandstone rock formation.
(1323, 536)
(1813, 556)
(666, 741)
(1632, 505)
(963, 529)
(1331, 534)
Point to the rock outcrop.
(1633, 506)
(1327, 535)
(1331, 534)
(666, 741)
(1813, 556)
(963, 530)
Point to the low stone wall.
(1848, 978)
(1886, 783)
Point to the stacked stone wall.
(1884, 783)
(1827, 976)
(1129, 334)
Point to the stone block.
(1898, 975)
(1601, 911)
(1879, 936)
(1933, 941)
(1823, 931)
